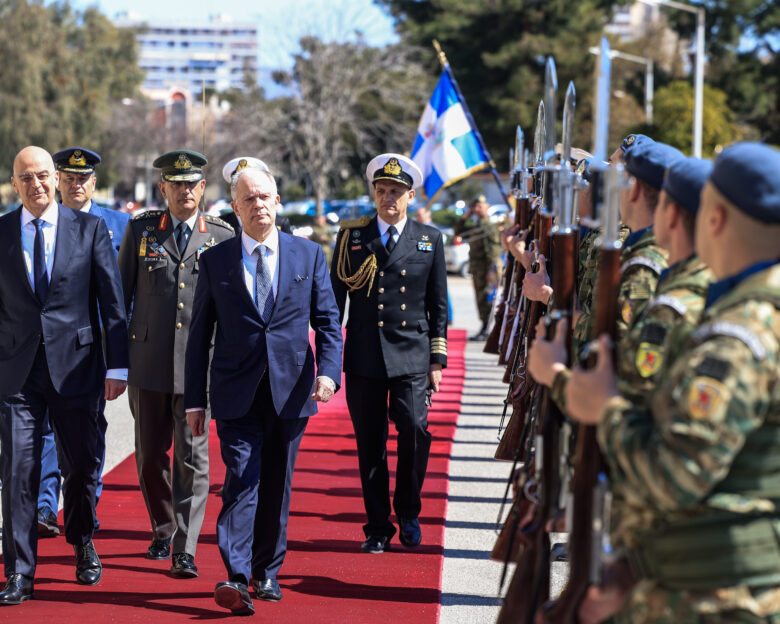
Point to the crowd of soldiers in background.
(638, 321)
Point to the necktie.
(391, 232)
(264, 294)
(40, 277)
(182, 236)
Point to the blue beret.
(684, 181)
(634, 139)
(76, 160)
(648, 161)
(748, 175)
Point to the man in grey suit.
(158, 260)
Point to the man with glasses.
(158, 260)
(58, 286)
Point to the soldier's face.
(256, 203)
(35, 179)
(392, 199)
(76, 188)
(183, 197)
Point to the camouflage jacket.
(676, 307)
(484, 241)
(702, 458)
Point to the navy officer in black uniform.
(396, 346)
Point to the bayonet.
(550, 94)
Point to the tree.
(347, 101)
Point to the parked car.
(456, 252)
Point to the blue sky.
(280, 23)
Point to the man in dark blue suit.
(262, 290)
(76, 186)
(59, 284)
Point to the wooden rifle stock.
(492, 342)
(587, 462)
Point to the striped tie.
(264, 294)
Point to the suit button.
(149, 267)
(181, 285)
(181, 305)
(403, 306)
(178, 325)
(403, 288)
(381, 291)
(381, 273)
(381, 306)
(182, 266)
(403, 323)
(133, 336)
(381, 323)
(403, 271)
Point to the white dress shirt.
(49, 229)
(249, 256)
(383, 227)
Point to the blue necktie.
(264, 294)
(40, 277)
(182, 236)
(390, 245)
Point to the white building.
(182, 54)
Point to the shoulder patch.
(350, 224)
(725, 328)
(670, 302)
(640, 261)
(649, 358)
(148, 214)
(218, 221)
(706, 396)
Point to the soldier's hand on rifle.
(508, 236)
(536, 286)
(601, 602)
(588, 392)
(545, 358)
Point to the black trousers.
(371, 402)
(259, 451)
(75, 420)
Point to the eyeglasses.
(27, 178)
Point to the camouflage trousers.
(485, 280)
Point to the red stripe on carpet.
(325, 577)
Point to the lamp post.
(698, 105)
(648, 63)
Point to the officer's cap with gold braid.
(395, 168)
(181, 166)
(232, 167)
(76, 160)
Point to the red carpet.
(325, 577)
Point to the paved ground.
(470, 578)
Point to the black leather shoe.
(47, 523)
(234, 596)
(409, 534)
(480, 337)
(159, 549)
(375, 544)
(18, 588)
(88, 566)
(183, 565)
(268, 589)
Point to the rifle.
(587, 484)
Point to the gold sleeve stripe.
(439, 351)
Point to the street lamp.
(698, 105)
(648, 63)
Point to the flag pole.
(445, 66)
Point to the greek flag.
(448, 147)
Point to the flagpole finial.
(440, 53)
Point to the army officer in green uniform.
(158, 260)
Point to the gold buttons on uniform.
(403, 323)
(381, 306)
(381, 273)
(181, 285)
(381, 291)
(133, 336)
(178, 325)
(403, 271)
(403, 306)
(149, 267)
(381, 323)
(403, 288)
(181, 266)
(181, 305)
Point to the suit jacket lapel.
(407, 242)
(17, 252)
(236, 273)
(197, 240)
(65, 243)
(375, 245)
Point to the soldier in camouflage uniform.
(484, 256)
(702, 456)
(323, 236)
